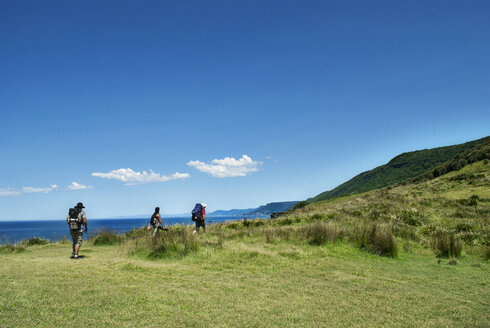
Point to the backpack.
(153, 219)
(197, 212)
(74, 218)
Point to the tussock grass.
(9, 248)
(106, 237)
(178, 241)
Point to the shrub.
(438, 171)
(411, 217)
(463, 176)
(136, 233)
(34, 241)
(106, 237)
(471, 201)
(300, 205)
(445, 245)
(233, 225)
(487, 253)
(253, 222)
(288, 220)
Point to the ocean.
(15, 231)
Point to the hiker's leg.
(73, 242)
(78, 239)
(155, 231)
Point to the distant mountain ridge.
(261, 211)
(400, 168)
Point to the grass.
(246, 283)
(315, 266)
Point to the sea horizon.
(57, 229)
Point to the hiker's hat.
(80, 205)
(203, 204)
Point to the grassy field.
(261, 273)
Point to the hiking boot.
(72, 256)
(75, 257)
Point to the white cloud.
(31, 190)
(227, 167)
(9, 192)
(77, 186)
(130, 177)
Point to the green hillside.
(402, 167)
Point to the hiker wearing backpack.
(199, 216)
(156, 222)
(76, 219)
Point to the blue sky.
(128, 105)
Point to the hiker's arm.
(85, 223)
(159, 217)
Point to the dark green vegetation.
(407, 166)
(268, 209)
(264, 210)
(412, 255)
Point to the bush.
(445, 245)
(253, 222)
(299, 205)
(106, 237)
(233, 225)
(136, 233)
(411, 217)
(287, 220)
(487, 253)
(471, 201)
(34, 241)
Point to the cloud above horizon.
(131, 177)
(9, 192)
(77, 186)
(32, 190)
(227, 167)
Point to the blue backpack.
(197, 212)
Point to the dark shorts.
(200, 223)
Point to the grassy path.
(247, 284)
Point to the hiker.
(76, 219)
(156, 222)
(199, 215)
